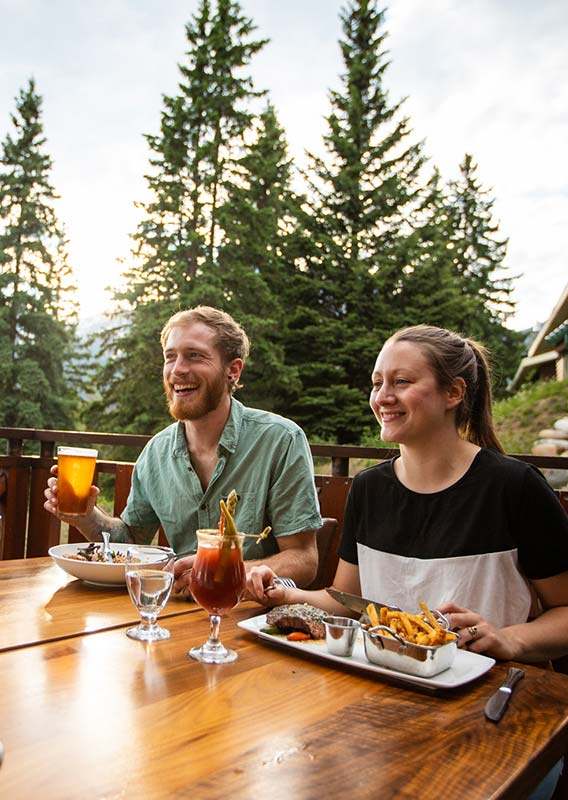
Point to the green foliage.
(478, 255)
(319, 279)
(129, 397)
(360, 194)
(255, 261)
(37, 315)
(535, 407)
(202, 129)
(455, 276)
(430, 290)
(193, 159)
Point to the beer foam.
(83, 452)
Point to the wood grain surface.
(39, 602)
(102, 716)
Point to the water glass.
(149, 578)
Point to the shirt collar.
(179, 443)
(229, 437)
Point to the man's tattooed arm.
(92, 525)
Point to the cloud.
(484, 77)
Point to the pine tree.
(202, 136)
(37, 315)
(429, 289)
(363, 191)
(255, 261)
(478, 260)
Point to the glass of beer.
(75, 473)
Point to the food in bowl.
(414, 659)
(95, 572)
(93, 553)
(417, 644)
(427, 628)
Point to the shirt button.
(203, 507)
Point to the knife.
(497, 703)
(356, 603)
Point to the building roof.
(542, 349)
(558, 316)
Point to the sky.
(486, 77)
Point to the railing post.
(122, 480)
(44, 530)
(340, 466)
(16, 510)
(47, 449)
(15, 447)
(3, 488)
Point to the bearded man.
(216, 445)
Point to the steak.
(298, 617)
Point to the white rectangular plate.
(466, 667)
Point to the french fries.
(415, 628)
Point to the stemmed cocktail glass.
(217, 582)
(149, 577)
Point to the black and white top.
(475, 543)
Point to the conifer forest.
(320, 264)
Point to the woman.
(451, 520)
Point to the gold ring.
(472, 630)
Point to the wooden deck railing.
(27, 530)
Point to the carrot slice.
(297, 636)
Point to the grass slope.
(520, 418)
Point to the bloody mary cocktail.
(218, 576)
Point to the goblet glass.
(149, 577)
(217, 582)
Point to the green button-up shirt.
(264, 457)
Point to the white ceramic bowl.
(99, 573)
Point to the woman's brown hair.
(452, 356)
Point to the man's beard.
(185, 407)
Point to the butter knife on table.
(497, 703)
(356, 603)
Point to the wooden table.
(41, 603)
(102, 716)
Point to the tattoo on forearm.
(117, 528)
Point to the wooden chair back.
(327, 541)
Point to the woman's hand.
(261, 587)
(480, 636)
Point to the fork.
(107, 552)
(185, 553)
(288, 583)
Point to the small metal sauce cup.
(340, 635)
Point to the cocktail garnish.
(228, 530)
